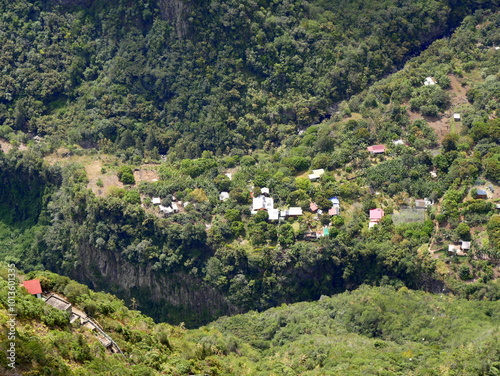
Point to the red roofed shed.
(376, 149)
(33, 286)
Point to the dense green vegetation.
(110, 106)
(50, 219)
(146, 77)
(370, 331)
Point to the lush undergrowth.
(146, 77)
(371, 331)
(255, 263)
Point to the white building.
(429, 81)
(262, 203)
(223, 196)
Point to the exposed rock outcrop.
(176, 12)
(174, 298)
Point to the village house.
(422, 204)
(459, 248)
(274, 214)
(313, 177)
(173, 208)
(156, 201)
(262, 203)
(375, 216)
(34, 288)
(456, 117)
(481, 194)
(313, 207)
(335, 209)
(316, 174)
(429, 81)
(223, 196)
(376, 149)
(465, 245)
(293, 211)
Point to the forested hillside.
(371, 331)
(96, 91)
(185, 76)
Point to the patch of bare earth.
(6, 146)
(445, 124)
(458, 92)
(94, 168)
(146, 173)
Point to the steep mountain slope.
(187, 76)
(246, 261)
(371, 331)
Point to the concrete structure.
(456, 117)
(156, 201)
(59, 303)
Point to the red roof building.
(376, 149)
(313, 206)
(376, 215)
(335, 210)
(33, 286)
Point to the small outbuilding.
(465, 245)
(223, 196)
(429, 81)
(34, 288)
(156, 201)
(481, 193)
(456, 117)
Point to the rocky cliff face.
(174, 298)
(176, 12)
